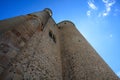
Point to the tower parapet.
(49, 11)
(11, 23)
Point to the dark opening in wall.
(16, 32)
(54, 39)
(52, 36)
(59, 27)
(79, 40)
(42, 27)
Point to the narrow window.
(52, 36)
(42, 27)
(54, 39)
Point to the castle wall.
(12, 41)
(31, 50)
(11, 23)
(14, 34)
(79, 60)
(39, 59)
(34, 47)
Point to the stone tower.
(34, 47)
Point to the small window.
(42, 27)
(54, 39)
(52, 36)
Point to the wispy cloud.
(92, 5)
(88, 13)
(94, 9)
(108, 4)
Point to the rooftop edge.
(49, 11)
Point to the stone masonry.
(34, 47)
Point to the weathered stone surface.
(79, 60)
(37, 48)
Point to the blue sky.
(97, 20)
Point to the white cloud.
(93, 9)
(105, 14)
(88, 13)
(92, 5)
(108, 4)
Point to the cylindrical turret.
(16, 32)
(9, 24)
(79, 60)
(33, 47)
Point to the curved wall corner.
(79, 60)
